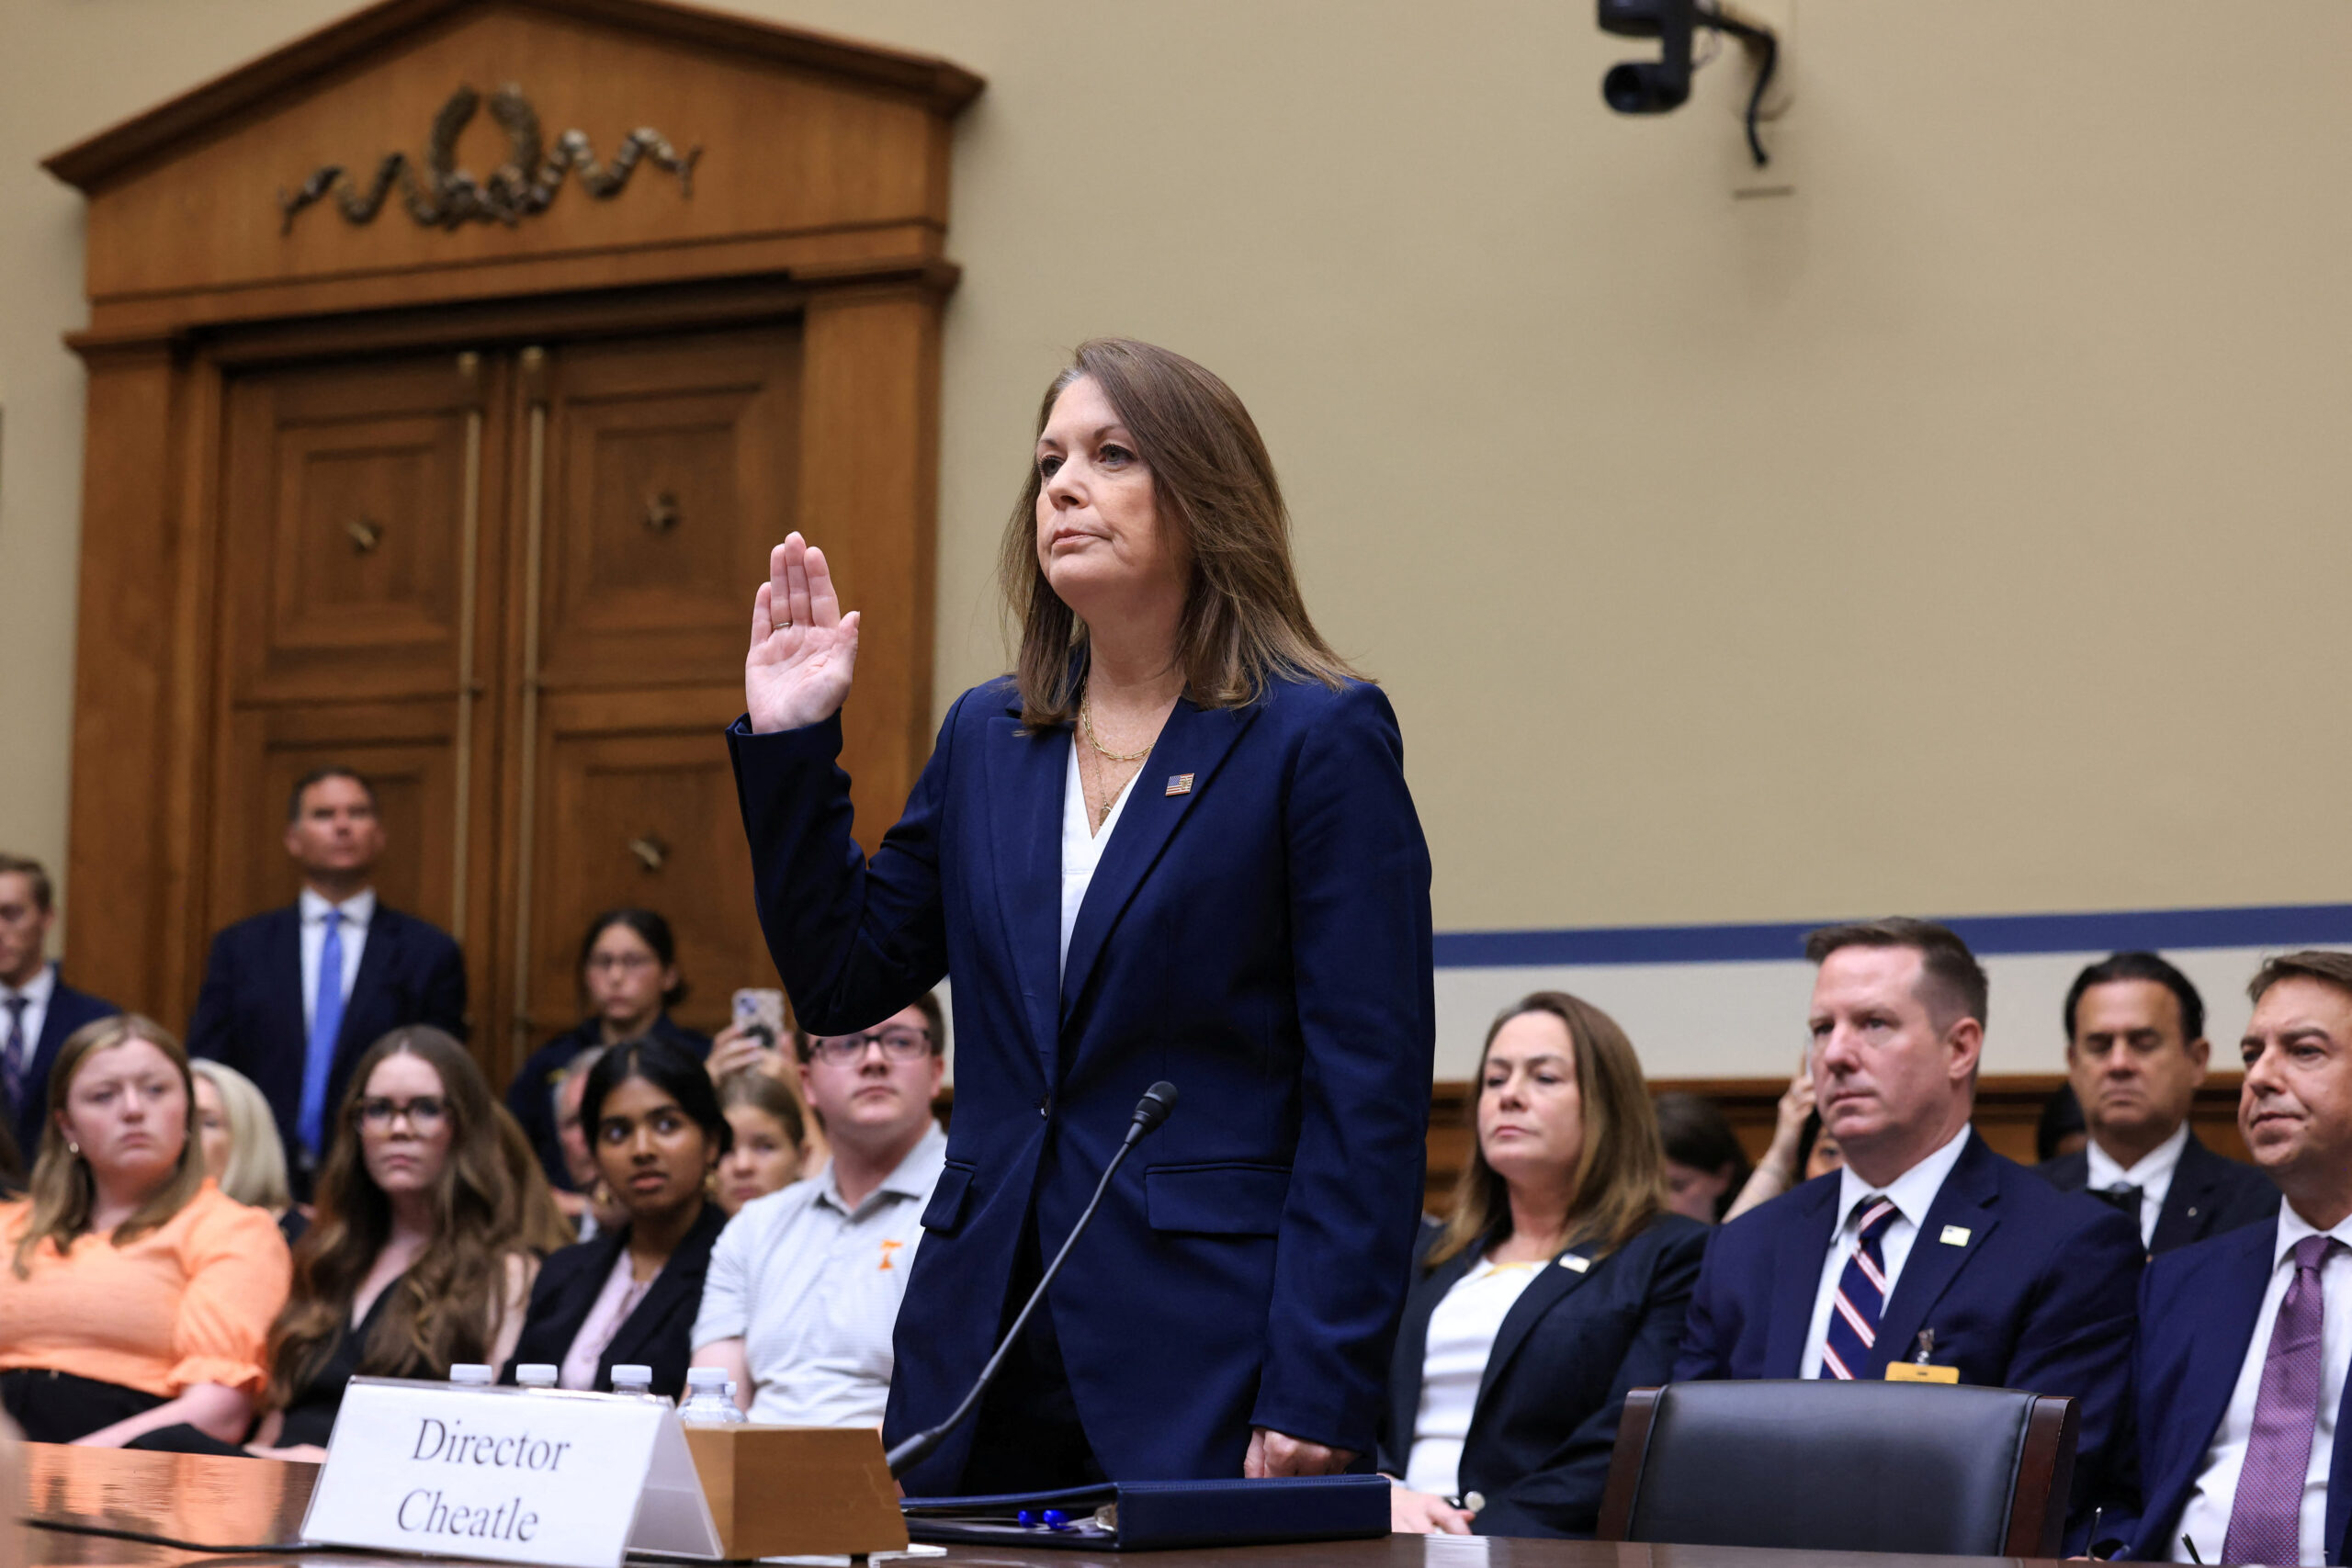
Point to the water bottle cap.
(707, 1377)
(632, 1374)
(536, 1375)
(472, 1375)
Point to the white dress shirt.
(2206, 1519)
(355, 912)
(1911, 1193)
(1460, 1337)
(1082, 849)
(2152, 1176)
(36, 992)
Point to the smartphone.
(761, 1011)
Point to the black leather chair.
(1825, 1466)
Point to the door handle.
(661, 512)
(651, 850)
(365, 533)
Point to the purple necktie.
(12, 1055)
(2266, 1516)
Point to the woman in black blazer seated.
(1558, 1283)
(630, 1296)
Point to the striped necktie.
(1861, 1295)
(15, 1052)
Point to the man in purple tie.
(2240, 1374)
(292, 997)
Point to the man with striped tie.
(2245, 1338)
(1928, 1247)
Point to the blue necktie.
(1861, 1296)
(326, 1022)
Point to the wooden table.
(231, 1502)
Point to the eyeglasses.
(897, 1044)
(625, 961)
(425, 1113)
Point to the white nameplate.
(572, 1479)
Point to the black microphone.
(1150, 1112)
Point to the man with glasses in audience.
(2135, 1054)
(804, 1284)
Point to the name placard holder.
(569, 1480)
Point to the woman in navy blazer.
(1176, 844)
(1558, 1284)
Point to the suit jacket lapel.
(1027, 775)
(1413, 1344)
(285, 984)
(2193, 1181)
(680, 1281)
(1966, 1200)
(1797, 1284)
(375, 958)
(1552, 1283)
(1194, 741)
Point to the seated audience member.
(1986, 1268)
(2244, 1448)
(1559, 1282)
(629, 977)
(2135, 1055)
(765, 1119)
(589, 1205)
(293, 997)
(423, 1246)
(630, 1296)
(38, 1011)
(1783, 1165)
(805, 1284)
(137, 1295)
(1705, 1167)
(239, 1140)
(2060, 1131)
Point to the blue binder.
(1146, 1516)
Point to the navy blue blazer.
(531, 1097)
(2040, 1295)
(1569, 1351)
(249, 1013)
(658, 1332)
(69, 1009)
(2198, 1311)
(1257, 934)
(2209, 1195)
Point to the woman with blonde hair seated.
(239, 1139)
(137, 1294)
(1558, 1283)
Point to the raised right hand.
(803, 649)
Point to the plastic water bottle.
(707, 1401)
(536, 1375)
(634, 1382)
(472, 1374)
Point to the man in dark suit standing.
(2136, 1052)
(1928, 1247)
(37, 1009)
(2240, 1371)
(291, 998)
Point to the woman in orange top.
(137, 1295)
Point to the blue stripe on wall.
(2279, 926)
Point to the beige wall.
(1963, 532)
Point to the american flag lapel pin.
(1179, 783)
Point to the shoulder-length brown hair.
(448, 1307)
(1244, 623)
(1621, 1174)
(61, 1190)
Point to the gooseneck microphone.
(1150, 1112)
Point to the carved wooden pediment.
(482, 138)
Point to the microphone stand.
(1157, 1102)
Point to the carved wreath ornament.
(440, 195)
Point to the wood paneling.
(311, 447)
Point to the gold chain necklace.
(1086, 723)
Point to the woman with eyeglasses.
(134, 1294)
(805, 1284)
(631, 1294)
(630, 980)
(430, 1223)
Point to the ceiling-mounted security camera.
(1647, 87)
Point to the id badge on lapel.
(1919, 1368)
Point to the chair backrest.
(1828, 1466)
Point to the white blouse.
(1082, 851)
(1462, 1334)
